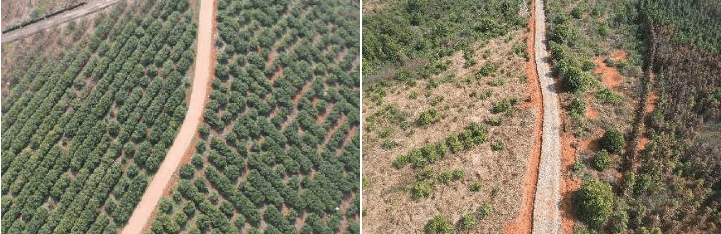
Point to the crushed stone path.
(200, 90)
(57, 19)
(546, 218)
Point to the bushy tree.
(594, 202)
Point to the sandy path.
(193, 118)
(57, 19)
(546, 205)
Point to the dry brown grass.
(388, 205)
(15, 12)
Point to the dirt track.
(182, 143)
(57, 19)
(546, 218)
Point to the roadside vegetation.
(280, 145)
(84, 130)
(656, 166)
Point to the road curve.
(57, 19)
(546, 218)
(201, 81)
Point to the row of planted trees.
(85, 132)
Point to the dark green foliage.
(612, 141)
(472, 135)
(439, 225)
(477, 186)
(602, 160)
(280, 110)
(467, 221)
(425, 29)
(427, 117)
(86, 127)
(594, 202)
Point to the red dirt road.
(523, 223)
(182, 143)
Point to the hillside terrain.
(448, 109)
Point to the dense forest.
(279, 149)
(672, 184)
(83, 131)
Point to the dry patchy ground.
(387, 201)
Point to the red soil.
(524, 222)
(590, 112)
(618, 55)
(611, 77)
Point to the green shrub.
(500, 81)
(389, 144)
(602, 160)
(477, 186)
(458, 173)
(594, 202)
(439, 225)
(486, 70)
(421, 189)
(494, 121)
(607, 95)
(425, 174)
(446, 176)
(577, 106)
(612, 141)
(386, 132)
(468, 221)
(498, 145)
(504, 105)
(574, 79)
(429, 116)
(484, 211)
(414, 94)
(403, 75)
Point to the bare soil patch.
(610, 75)
(16, 12)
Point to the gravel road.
(546, 218)
(57, 19)
(203, 64)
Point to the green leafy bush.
(612, 141)
(439, 225)
(594, 202)
(602, 160)
(468, 221)
(421, 189)
(476, 186)
(427, 117)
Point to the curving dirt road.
(546, 218)
(57, 19)
(182, 143)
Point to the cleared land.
(57, 19)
